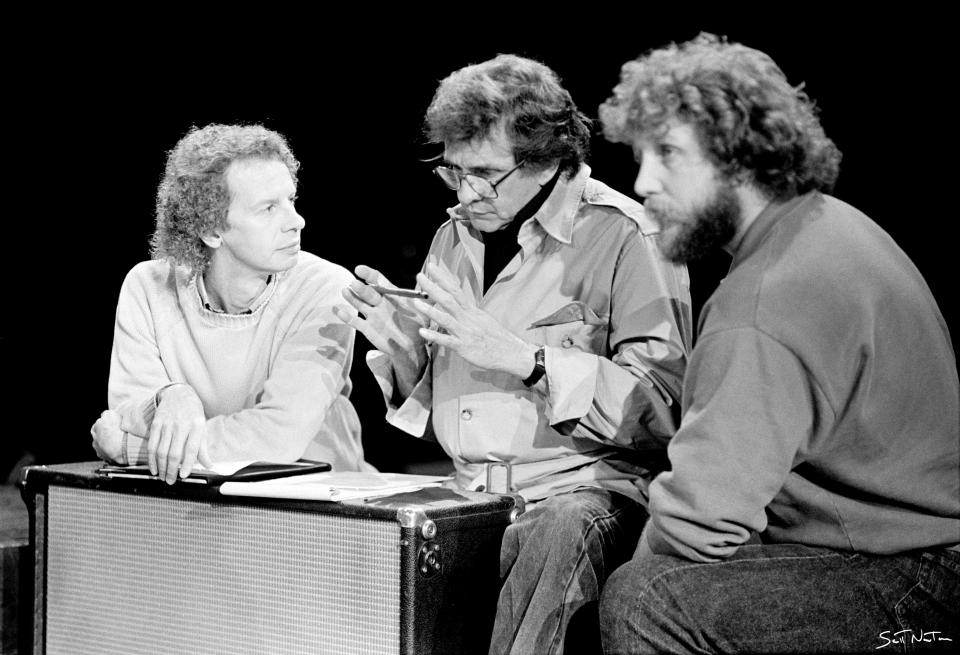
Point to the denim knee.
(634, 603)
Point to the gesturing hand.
(468, 330)
(388, 322)
(178, 434)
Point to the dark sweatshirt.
(821, 399)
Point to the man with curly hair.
(549, 359)
(225, 345)
(813, 498)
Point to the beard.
(712, 225)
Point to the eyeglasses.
(483, 187)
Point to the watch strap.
(539, 367)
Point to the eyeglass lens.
(453, 179)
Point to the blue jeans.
(553, 562)
(785, 598)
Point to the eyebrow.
(474, 169)
(275, 198)
(265, 201)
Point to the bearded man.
(813, 488)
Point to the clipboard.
(249, 472)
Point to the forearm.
(751, 407)
(635, 400)
(259, 434)
(630, 396)
(138, 407)
(262, 432)
(409, 412)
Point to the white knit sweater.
(274, 383)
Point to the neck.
(232, 293)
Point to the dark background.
(96, 108)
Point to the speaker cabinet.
(137, 566)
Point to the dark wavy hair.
(752, 123)
(193, 197)
(538, 114)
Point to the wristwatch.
(539, 368)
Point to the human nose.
(466, 194)
(647, 182)
(295, 221)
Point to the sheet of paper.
(333, 485)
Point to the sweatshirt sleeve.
(751, 406)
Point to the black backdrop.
(95, 110)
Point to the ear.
(212, 240)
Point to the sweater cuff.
(156, 396)
(134, 449)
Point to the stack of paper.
(334, 485)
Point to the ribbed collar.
(199, 292)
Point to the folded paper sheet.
(333, 485)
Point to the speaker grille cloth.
(135, 574)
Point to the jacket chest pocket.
(575, 325)
(576, 334)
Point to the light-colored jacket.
(590, 284)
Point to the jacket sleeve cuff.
(571, 381)
(413, 414)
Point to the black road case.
(137, 566)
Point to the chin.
(487, 224)
(288, 262)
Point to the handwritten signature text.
(910, 637)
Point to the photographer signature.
(902, 637)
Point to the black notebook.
(200, 475)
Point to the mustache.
(657, 209)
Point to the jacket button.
(567, 341)
(466, 415)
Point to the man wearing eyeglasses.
(547, 360)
